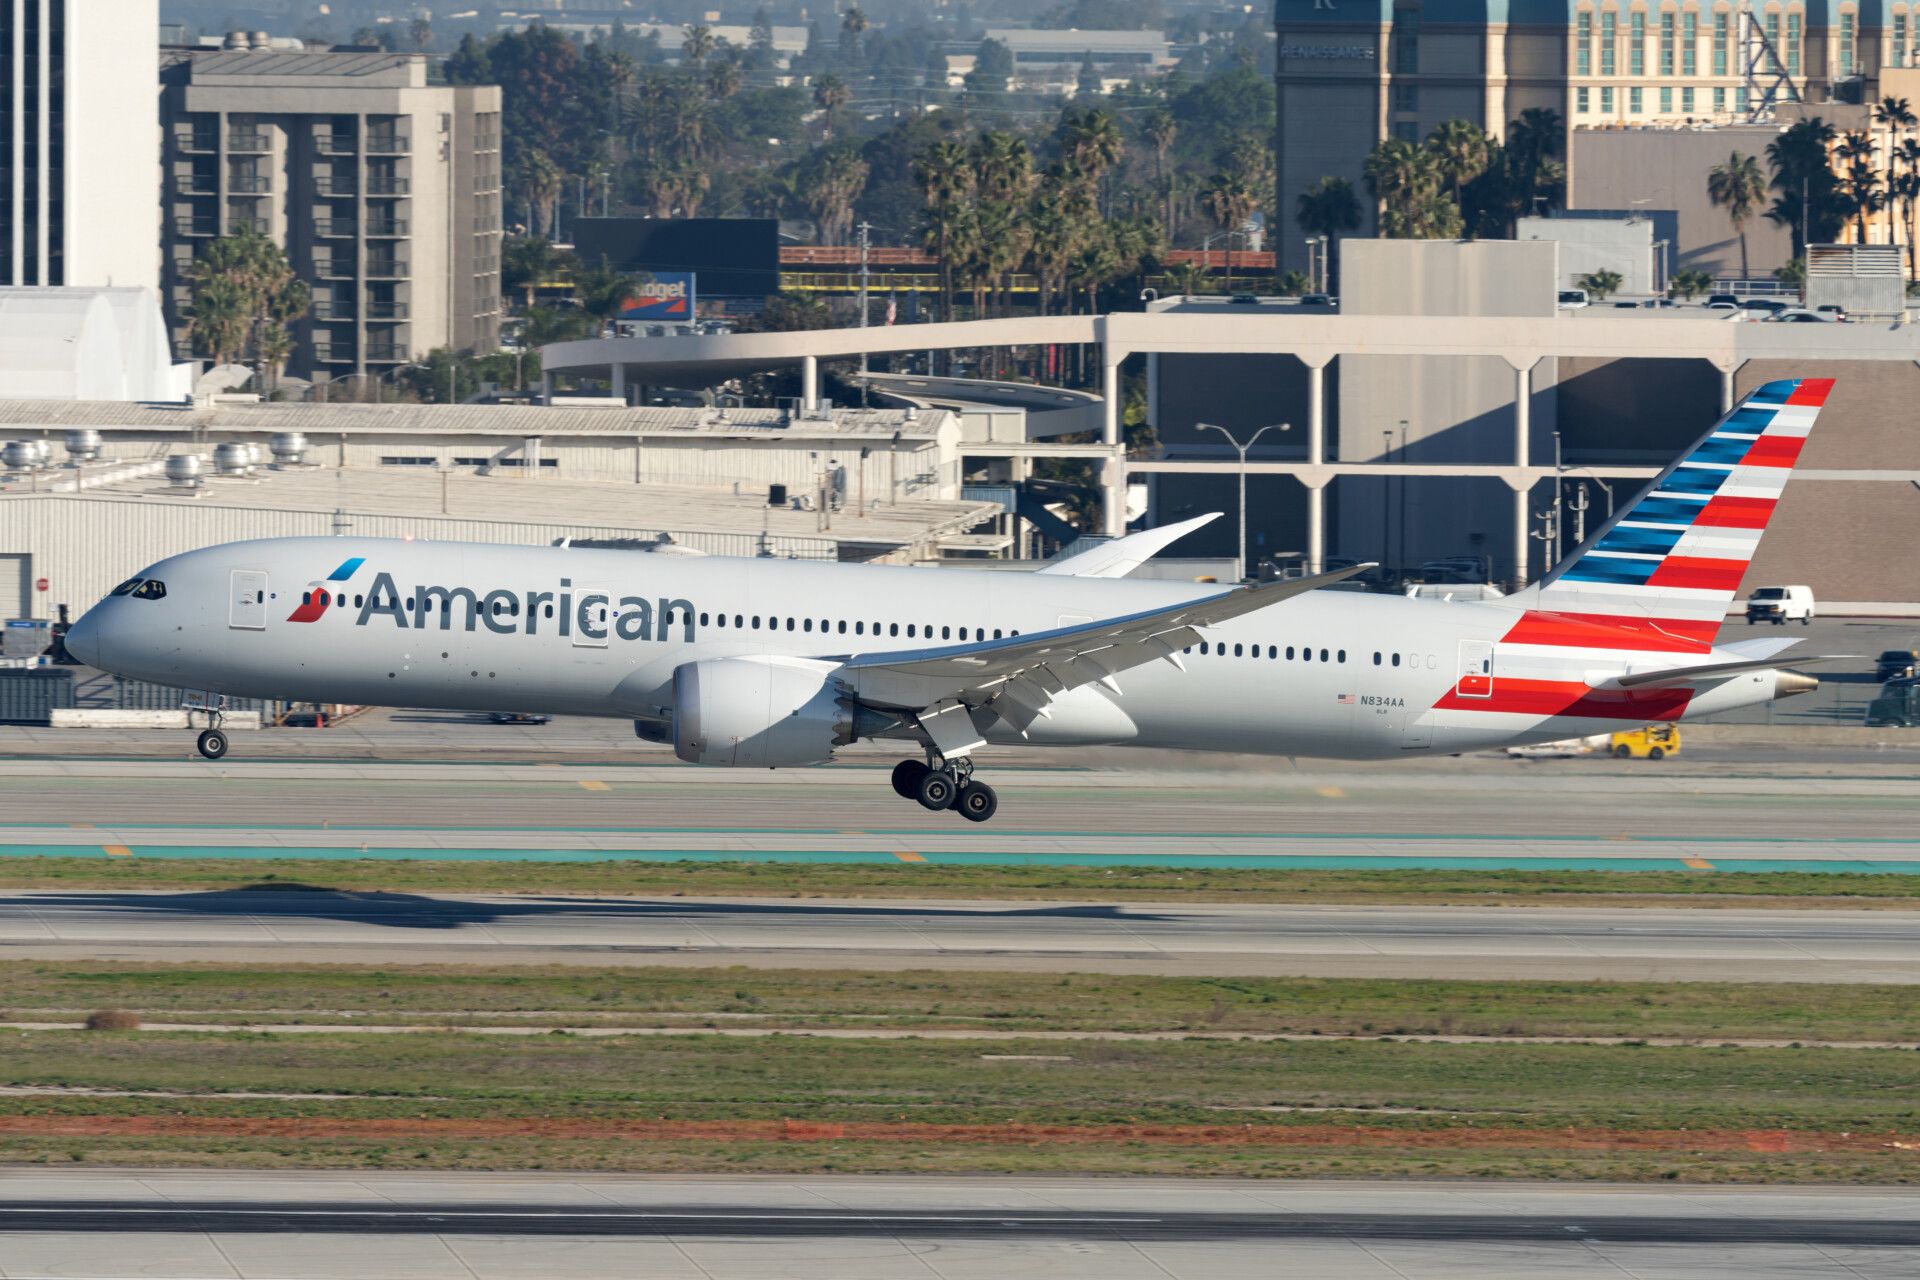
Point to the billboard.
(734, 257)
(666, 295)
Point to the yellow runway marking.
(1698, 864)
(907, 855)
(1330, 793)
(117, 851)
(590, 785)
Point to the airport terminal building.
(1351, 74)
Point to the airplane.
(763, 663)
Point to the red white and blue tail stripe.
(1675, 557)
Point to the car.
(1772, 306)
(1572, 299)
(517, 717)
(1316, 300)
(1653, 742)
(1896, 664)
(1833, 309)
(1717, 299)
(1659, 304)
(1799, 315)
(1898, 705)
(1626, 304)
(1780, 605)
(1723, 304)
(1245, 300)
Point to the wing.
(1121, 556)
(1016, 678)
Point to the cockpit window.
(151, 589)
(126, 588)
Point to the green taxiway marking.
(1273, 862)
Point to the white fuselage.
(600, 632)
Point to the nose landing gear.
(949, 786)
(212, 744)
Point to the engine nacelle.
(759, 713)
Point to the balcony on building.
(249, 141)
(382, 268)
(196, 225)
(249, 184)
(384, 309)
(386, 352)
(197, 183)
(196, 140)
(380, 143)
(335, 228)
(240, 226)
(333, 352)
(386, 184)
(335, 184)
(386, 227)
(331, 143)
(333, 308)
(326, 267)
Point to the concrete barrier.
(86, 718)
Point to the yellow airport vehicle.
(1652, 742)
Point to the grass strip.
(723, 996)
(924, 880)
(453, 1100)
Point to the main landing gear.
(951, 786)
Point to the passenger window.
(1237, 650)
(739, 620)
(946, 633)
(842, 625)
(1203, 648)
(996, 633)
(910, 628)
(789, 624)
(893, 628)
(808, 627)
(1343, 655)
(549, 611)
(703, 619)
(1323, 655)
(756, 622)
(1396, 659)
(1376, 657)
(1272, 651)
(1289, 653)
(859, 628)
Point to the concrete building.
(1350, 75)
(383, 189)
(78, 127)
(1589, 244)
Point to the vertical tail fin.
(1676, 554)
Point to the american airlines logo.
(586, 612)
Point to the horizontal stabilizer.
(1711, 671)
(1121, 556)
(1764, 647)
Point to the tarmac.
(320, 1226)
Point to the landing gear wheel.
(1623, 752)
(936, 790)
(906, 778)
(212, 744)
(977, 802)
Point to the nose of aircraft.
(83, 638)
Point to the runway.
(1653, 944)
(292, 1226)
(1485, 814)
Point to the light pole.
(1243, 450)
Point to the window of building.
(1849, 24)
(1583, 45)
(1770, 61)
(1404, 54)
(1635, 104)
(1686, 100)
(1899, 39)
(1690, 44)
(406, 461)
(1608, 39)
(1581, 102)
(1793, 44)
(1721, 22)
(1666, 100)
(1740, 99)
(1606, 100)
(1406, 130)
(1637, 44)
(1406, 97)
(1719, 99)
(1667, 41)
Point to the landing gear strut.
(950, 785)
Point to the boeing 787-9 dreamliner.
(760, 663)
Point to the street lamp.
(1242, 450)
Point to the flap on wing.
(1121, 556)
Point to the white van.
(1780, 605)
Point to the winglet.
(1121, 556)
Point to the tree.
(696, 44)
(527, 262)
(244, 299)
(537, 180)
(830, 180)
(1738, 187)
(1189, 278)
(420, 32)
(1087, 82)
(1602, 284)
(1905, 188)
(1405, 180)
(1860, 189)
(1160, 131)
(1230, 202)
(1689, 284)
(1460, 151)
(853, 24)
(992, 68)
(831, 95)
(1328, 208)
(1807, 202)
(945, 174)
(601, 291)
(724, 80)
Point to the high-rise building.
(1351, 73)
(383, 188)
(79, 138)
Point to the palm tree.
(1160, 131)
(218, 317)
(1327, 208)
(1002, 165)
(945, 174)
(1802, 164)
(830, 94)
(830, 182)
(1906, 189)
(1057, 219)
(1896, 116)
(1090, 144)
(1864, 195)
(1460, 153)
(1230, 200)
(538, 180)
(1189, 278)
(723, 81)
(1686, 284)
(1406, 182)
(602, 291)
(528, 261)
(1602, 284)
(853, 23)
(697, 45)
(1738, 187)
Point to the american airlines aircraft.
(774, 663)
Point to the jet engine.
(763, 713)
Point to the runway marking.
(1698, 864)
(117, 851)
(591, 1214)
(1330, 793)
(907, 855)
(589, 784)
